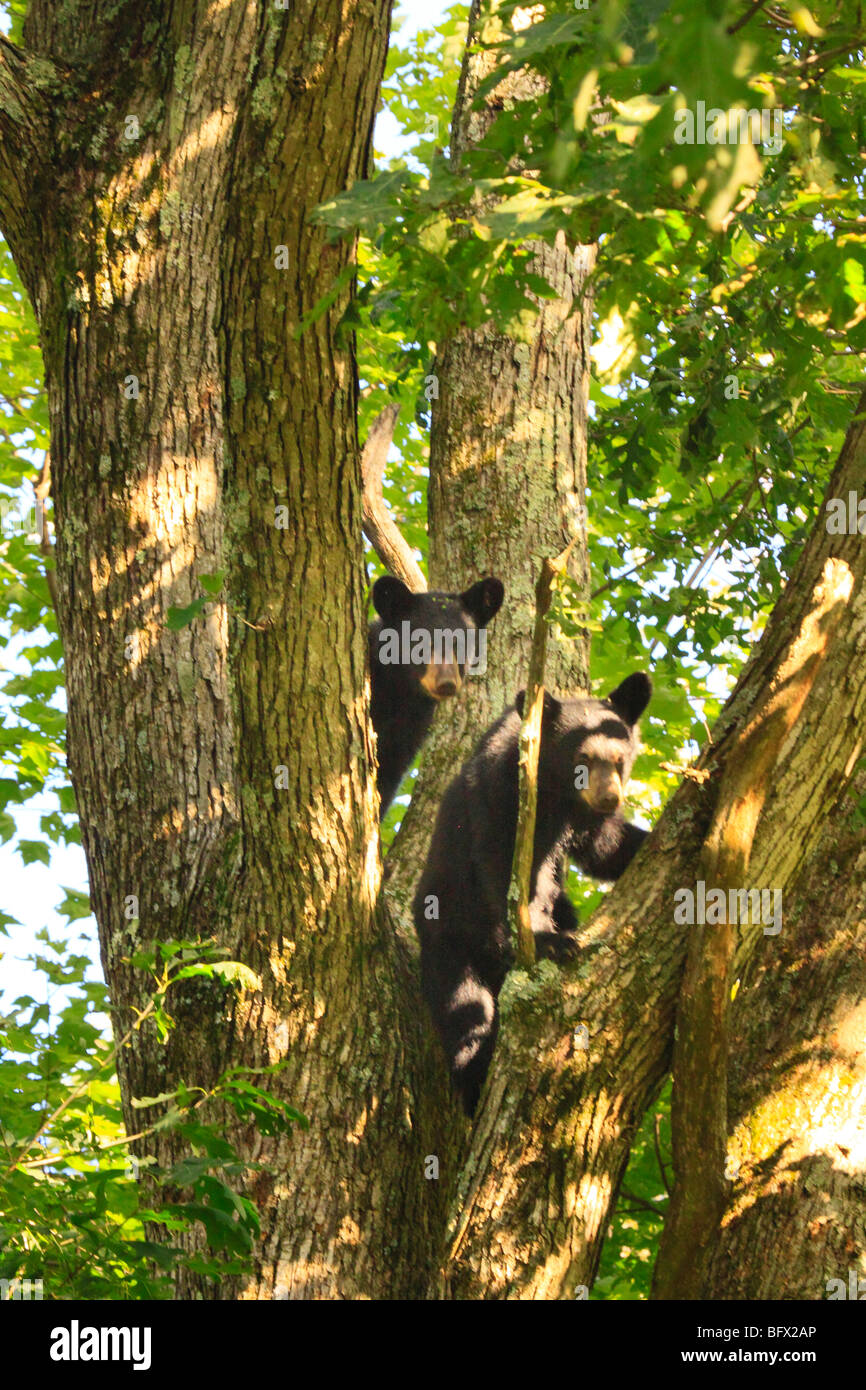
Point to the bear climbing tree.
(460, 906)
(196, 324)
(420, 648)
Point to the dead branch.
(380, 527)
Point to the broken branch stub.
(380, 527)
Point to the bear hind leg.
(463, 1007)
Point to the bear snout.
(604, 793)
(441, 681)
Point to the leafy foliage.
(730, 302)
(629, 1251)
(32, 757)
(13, 12)
(73, 1213)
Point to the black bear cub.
(420, 647)
(460, 906)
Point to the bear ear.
(484, 600)
(551, 705)
(631, 698)
(391, 598)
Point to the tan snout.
(442, 680)
(604, 792)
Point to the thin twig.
(842, 51)
(744, 19)
(79, 1090)
(611, 583)
(657, 1124)
(641, 1202)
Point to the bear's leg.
(556, 945)
(463, 1006)
(564, 914)
(552, 917)
(605, 850)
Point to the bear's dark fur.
(460, 906)
(405, 692)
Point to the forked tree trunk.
(184, 412)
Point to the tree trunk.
(507, 489)
(552, 1139)
(796, 1218)
(185, 409)
(507, 481)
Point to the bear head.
(433, 636)
(588, 746)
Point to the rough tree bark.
(182, 151)
(796, 1214)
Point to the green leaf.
(238, 973)
(75, 905)
(213, 583)
(182, 617)
(34, 852)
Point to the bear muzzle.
(441, 681)
(604, 792)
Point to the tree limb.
(553, 1136)
(380, 527)
(744, 18)
(637, 1203)
(797, 1084)
(699, 1115)
(657, 1145)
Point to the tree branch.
(637, 1203)
(699, 1114)
(657, 1145)
(523, 1235)
(380, 527)
(744, 18)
